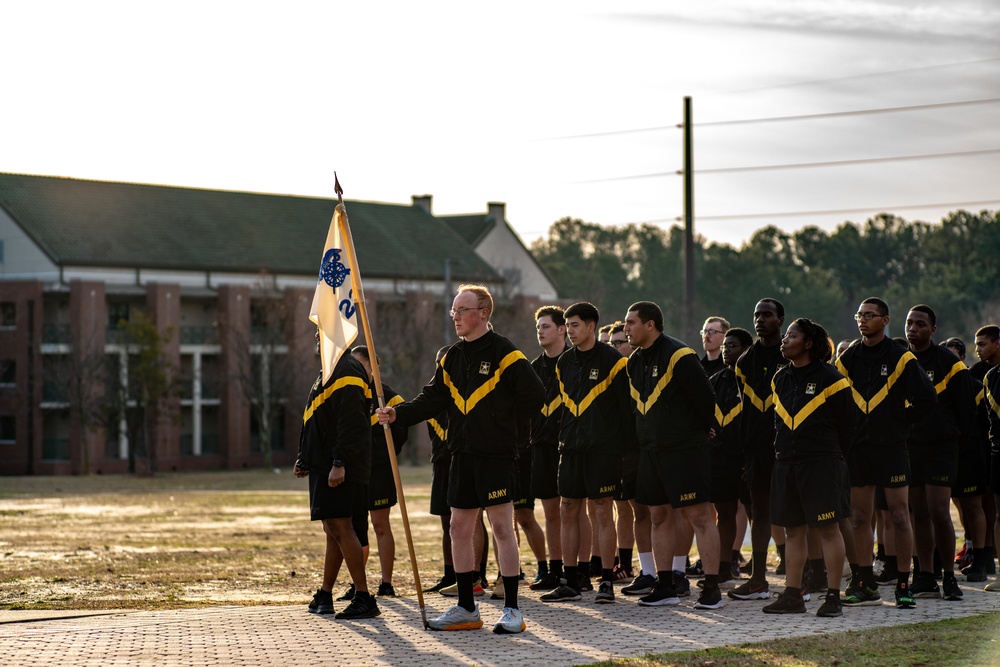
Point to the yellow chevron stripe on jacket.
(668, 375)
(980, 396)
(595, 391)
(943, 384)
(868, 406)
(441, 431)
(549, 410)
(763, 405)
(465, 405)
(991, 402)
(392, 402)
(725, 420)
(328, 392)
(793, 422)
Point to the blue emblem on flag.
(333, 272)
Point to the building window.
(8, 372)
(8, 315)
(117, 312)
(8, 429)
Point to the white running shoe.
(457, 618)
(511, 622)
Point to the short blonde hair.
(483, 294)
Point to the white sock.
(646, 563)
(680, 562)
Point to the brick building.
(226, 280)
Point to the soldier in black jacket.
(754, 371)
(933, 445)
(382, 487)
(891, 392)
(485, 383)
(815, 421)
(437, 431)
(595, 427)
(674, 410)
(550, 329)
(335, 452)
(987, 349)
(991, 394)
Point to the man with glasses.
(713, 332)
(893, 392)
(485, 383)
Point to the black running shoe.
(606, 593)
(949, 587)
(362, 606)
(924, 586)
(385, 590)
(682, 585)
(780, 569)
(662, 596)
(750, 591)
(861, 596)
(831, 607)
(641, 585)
(903, 598)
(546, 583)
(786, 604)
(888, 577)
(695, 570)
(322, 603)
(442, 583)
(584, 585)
(562, 593)
(710, 599)
(348, 594)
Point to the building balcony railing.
(55, 333)
(206, 335)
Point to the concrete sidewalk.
(558, 634)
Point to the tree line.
(951, 266)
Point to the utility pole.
(688, 319)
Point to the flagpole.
(359, 300)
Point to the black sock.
(880, 552)
(903, 579)
(711, 581)
(664, 579)
(607, 574)
(573, 576)
(465, 582)
(725, 570)
(595, 562)
(781, 551)
(867, 575)
(737, 556)
(833, 593)
(625, 558)
(543, 568)
(818, 567)
(583, 567)
(890, 565)
(510, 592)
(449, 572)
(482, 573)
(556, 567)
(759, 559)
(793, 591)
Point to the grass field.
(244, 538)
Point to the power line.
(792, 214)
(777, 119)
(801, 165)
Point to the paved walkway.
(557, 634)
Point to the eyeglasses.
(458, 312)
(732, 346)
(711, 332)
(865, 317)
(623, 341)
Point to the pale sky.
(474, 102)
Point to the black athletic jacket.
(991, 393)
(484, 385)
(953, 418)
(545, 424)
(336, 425)
(380, 452)
(596, 415)
(673, 400)
(437, 429)
(754, 370)
(979, 438)
(883, 379)
(814, 414)
(725, 446)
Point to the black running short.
(726, 478)
(937, 467)
(590, 475)
(382, 489)
(973, 476)
(439, 486)
(888, 467)
(809, 491)
(678, 477)
(545, 471)
(523, 498)
(758, 468)
(338, 502)
(476, 482)
(630, 471)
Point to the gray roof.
(125, 225)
